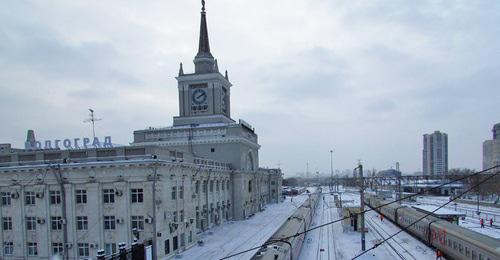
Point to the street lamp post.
(331, 170)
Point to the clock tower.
(204, 96)
(204, 127)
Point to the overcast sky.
(364, 78)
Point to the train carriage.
(298, 222)
(454, 241)
(461, 243)
(407, 216)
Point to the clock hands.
(200, 95)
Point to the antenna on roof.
(92, 120)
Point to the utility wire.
(372, 209)
(426, 215)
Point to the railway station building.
(168, 185)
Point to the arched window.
(250, 164)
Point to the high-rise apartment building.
(435, 154)
(491, 149)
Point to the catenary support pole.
(362, 203)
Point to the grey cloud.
(387, 73)
(314, 73)
(34, 48)
(382, 105)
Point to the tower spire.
(204, 45)
(181, 70)
(204, 61)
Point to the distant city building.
(389, 173)
(491, 149)
(435, 154)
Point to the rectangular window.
(83, 249)
(7, 223)
(81, 196)
(56, 223)
(190, 238)
(109, 248)
(217, 186)
(167, 246)
(175, 243)
(32, 249)
(222, 185)
(181, 215)
(8, 248)
(211, 186)
(57, 248)
(183, 240)
(109, 223)
(138, 222)
(197, 187)
(204, 186)
(108, 195)
(30, 223)
(6, 198)
(174, 193)
(55, 197)
(197, 217)
(82, 223)
(29, 198)
(137, 195)
(181, 192)
(175, 216)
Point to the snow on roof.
(439, 212)
(160, 128)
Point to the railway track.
(326, 243)
(318, 250)
(392, 243)
(331, 214)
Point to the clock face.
(199, 96)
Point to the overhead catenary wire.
(372, 209)
(426, 215)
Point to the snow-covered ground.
(236, 236)
(330, 242)
(469, 209)
(471, 220)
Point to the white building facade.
(97, 198)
